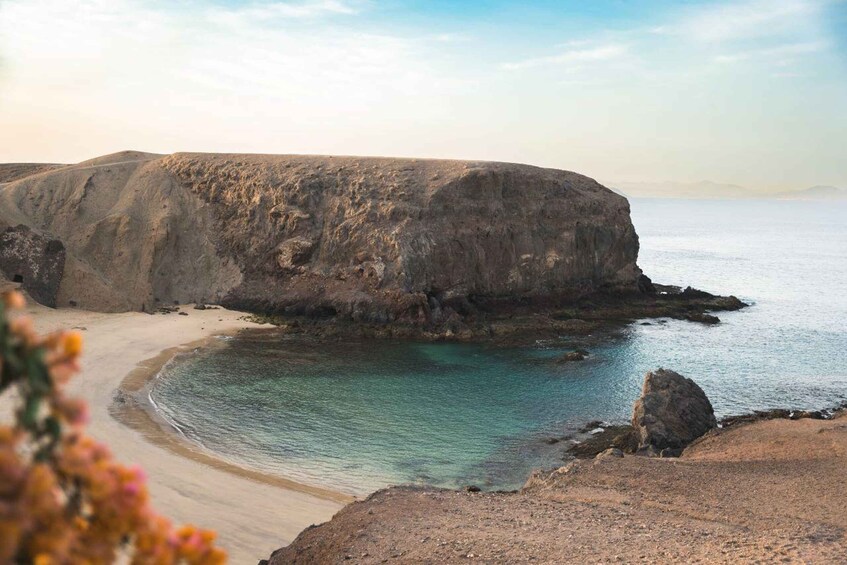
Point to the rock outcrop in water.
(362, 239)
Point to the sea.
(358, 416)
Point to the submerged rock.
(671, 412)
(593, 424)
(577, 355)
(703, 318)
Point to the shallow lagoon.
(359, 416)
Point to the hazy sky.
(752, 92)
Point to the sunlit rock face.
(366, 239)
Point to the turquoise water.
(359, 416)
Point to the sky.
(748, 92)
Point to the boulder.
(703, 318)
(611, 453)
(35, 261)
(577, 355)
(671, 412)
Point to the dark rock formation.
(577, 355)
(619, 437)
(646, 285)
(703, 318)
(35, 261)
(782, 413)
(671, 412)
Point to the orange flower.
(63, 499)
(72, 343)
(43, 559)
(14, 300)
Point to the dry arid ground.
(10, 172)
(768, 492)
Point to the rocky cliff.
(365, 239)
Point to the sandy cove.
(186, 486)
(768, 491)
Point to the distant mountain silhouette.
(719, 191)
(819, 192)
(671, 189)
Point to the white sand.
(252, 517)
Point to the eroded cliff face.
(390, 239)
(365, 239)
(134, 237)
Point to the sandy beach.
(252, 514)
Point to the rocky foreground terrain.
(768, 491)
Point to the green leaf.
(38, 376)
(29, 416)
(52, 427)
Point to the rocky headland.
(373, 246)
(767, 488)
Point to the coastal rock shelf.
(361, 239)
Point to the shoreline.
(769, 491)
(137, 412)
(250, 515)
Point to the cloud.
(752, 19)
(188, 60)
(773, 33)
(572, 57)
(275, 11)
(781, 54)
(450, 37)
(682, 42)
